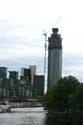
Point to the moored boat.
(4, 107)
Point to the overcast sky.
(21, 27)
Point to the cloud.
(18, 63)
(72, 65)
(21, 27)
(13, 51)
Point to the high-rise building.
(3, 80)
(13, 83)
(3, 72)
(33, 72)
(13, 75)
(25, 72)
(54, 58)
(38, 85)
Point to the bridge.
(20, 99)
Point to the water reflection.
(26, 116)
(37, 116)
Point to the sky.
(22, 23)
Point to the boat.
(4, 107)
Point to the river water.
(33, 116)
(23, 116)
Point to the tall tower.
(54, 58)
(33, 72)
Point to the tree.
(59, 98)
(70, 83)
(77, 99)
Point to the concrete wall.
(54, 66)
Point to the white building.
(33, 72)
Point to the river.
(34, 116)
(23, 116)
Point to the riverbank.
(25, 104)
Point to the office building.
(38, 85)
(13, 75)
(33, 72)
(3, 72)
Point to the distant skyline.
(21, 27)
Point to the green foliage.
(77, 99)
(70, 84)
(66, 95)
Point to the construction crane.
(45, 53)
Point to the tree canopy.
(66, 95)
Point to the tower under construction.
(54, 58)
